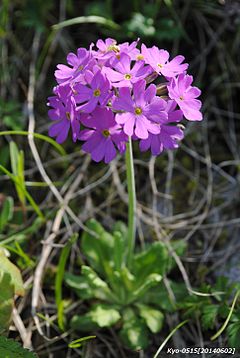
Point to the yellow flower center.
(138, 111)
(68, 116)
(113, 47)
(160, 66)
(106, 133)
(127, 76)
(181, 98)
(80, 68)
(140, 57)
(97, 93)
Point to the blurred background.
(197, 197)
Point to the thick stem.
(131, 203)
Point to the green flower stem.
(131, 203)
(36, 135)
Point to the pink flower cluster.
(105, 95)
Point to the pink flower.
(109, 92)
(130, 49)
(141, 112)
(104, 136)
(185, 95)
(168, 136)
(109, 49)
(64, 114)
(122, 75)
(78, 64)
(159, 61)
(97, 91)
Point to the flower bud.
(162, 89)
(151, 77)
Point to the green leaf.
(13, 271)
(119, 250)
(229, 317)
(47, 139)
(233, 333)
(100, 287)
(160, 297)
(4, 155)
(12, 349)
(93, 279)
(27, 232)
(134, 333)
(152, 317)
(119, 226)
(100, 315)
(25, 261)
(98, 250)
(236, 314)
(23, 190)
(10, 113)
(79, 285)
(128, 280)
(168, 2)
(141, 25)
(6, 212)
(14, 157)
(104, 315)
(193, 305)
(20, 174)
(13, 122)
(17, 164)
(28, 262)
(223, 285)
(152, 260)
(59, 279)
(209, 316)
(90, 285)
(77, 343)
(6, 301)
(83, 323)
(150, 281)
(119, 286)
